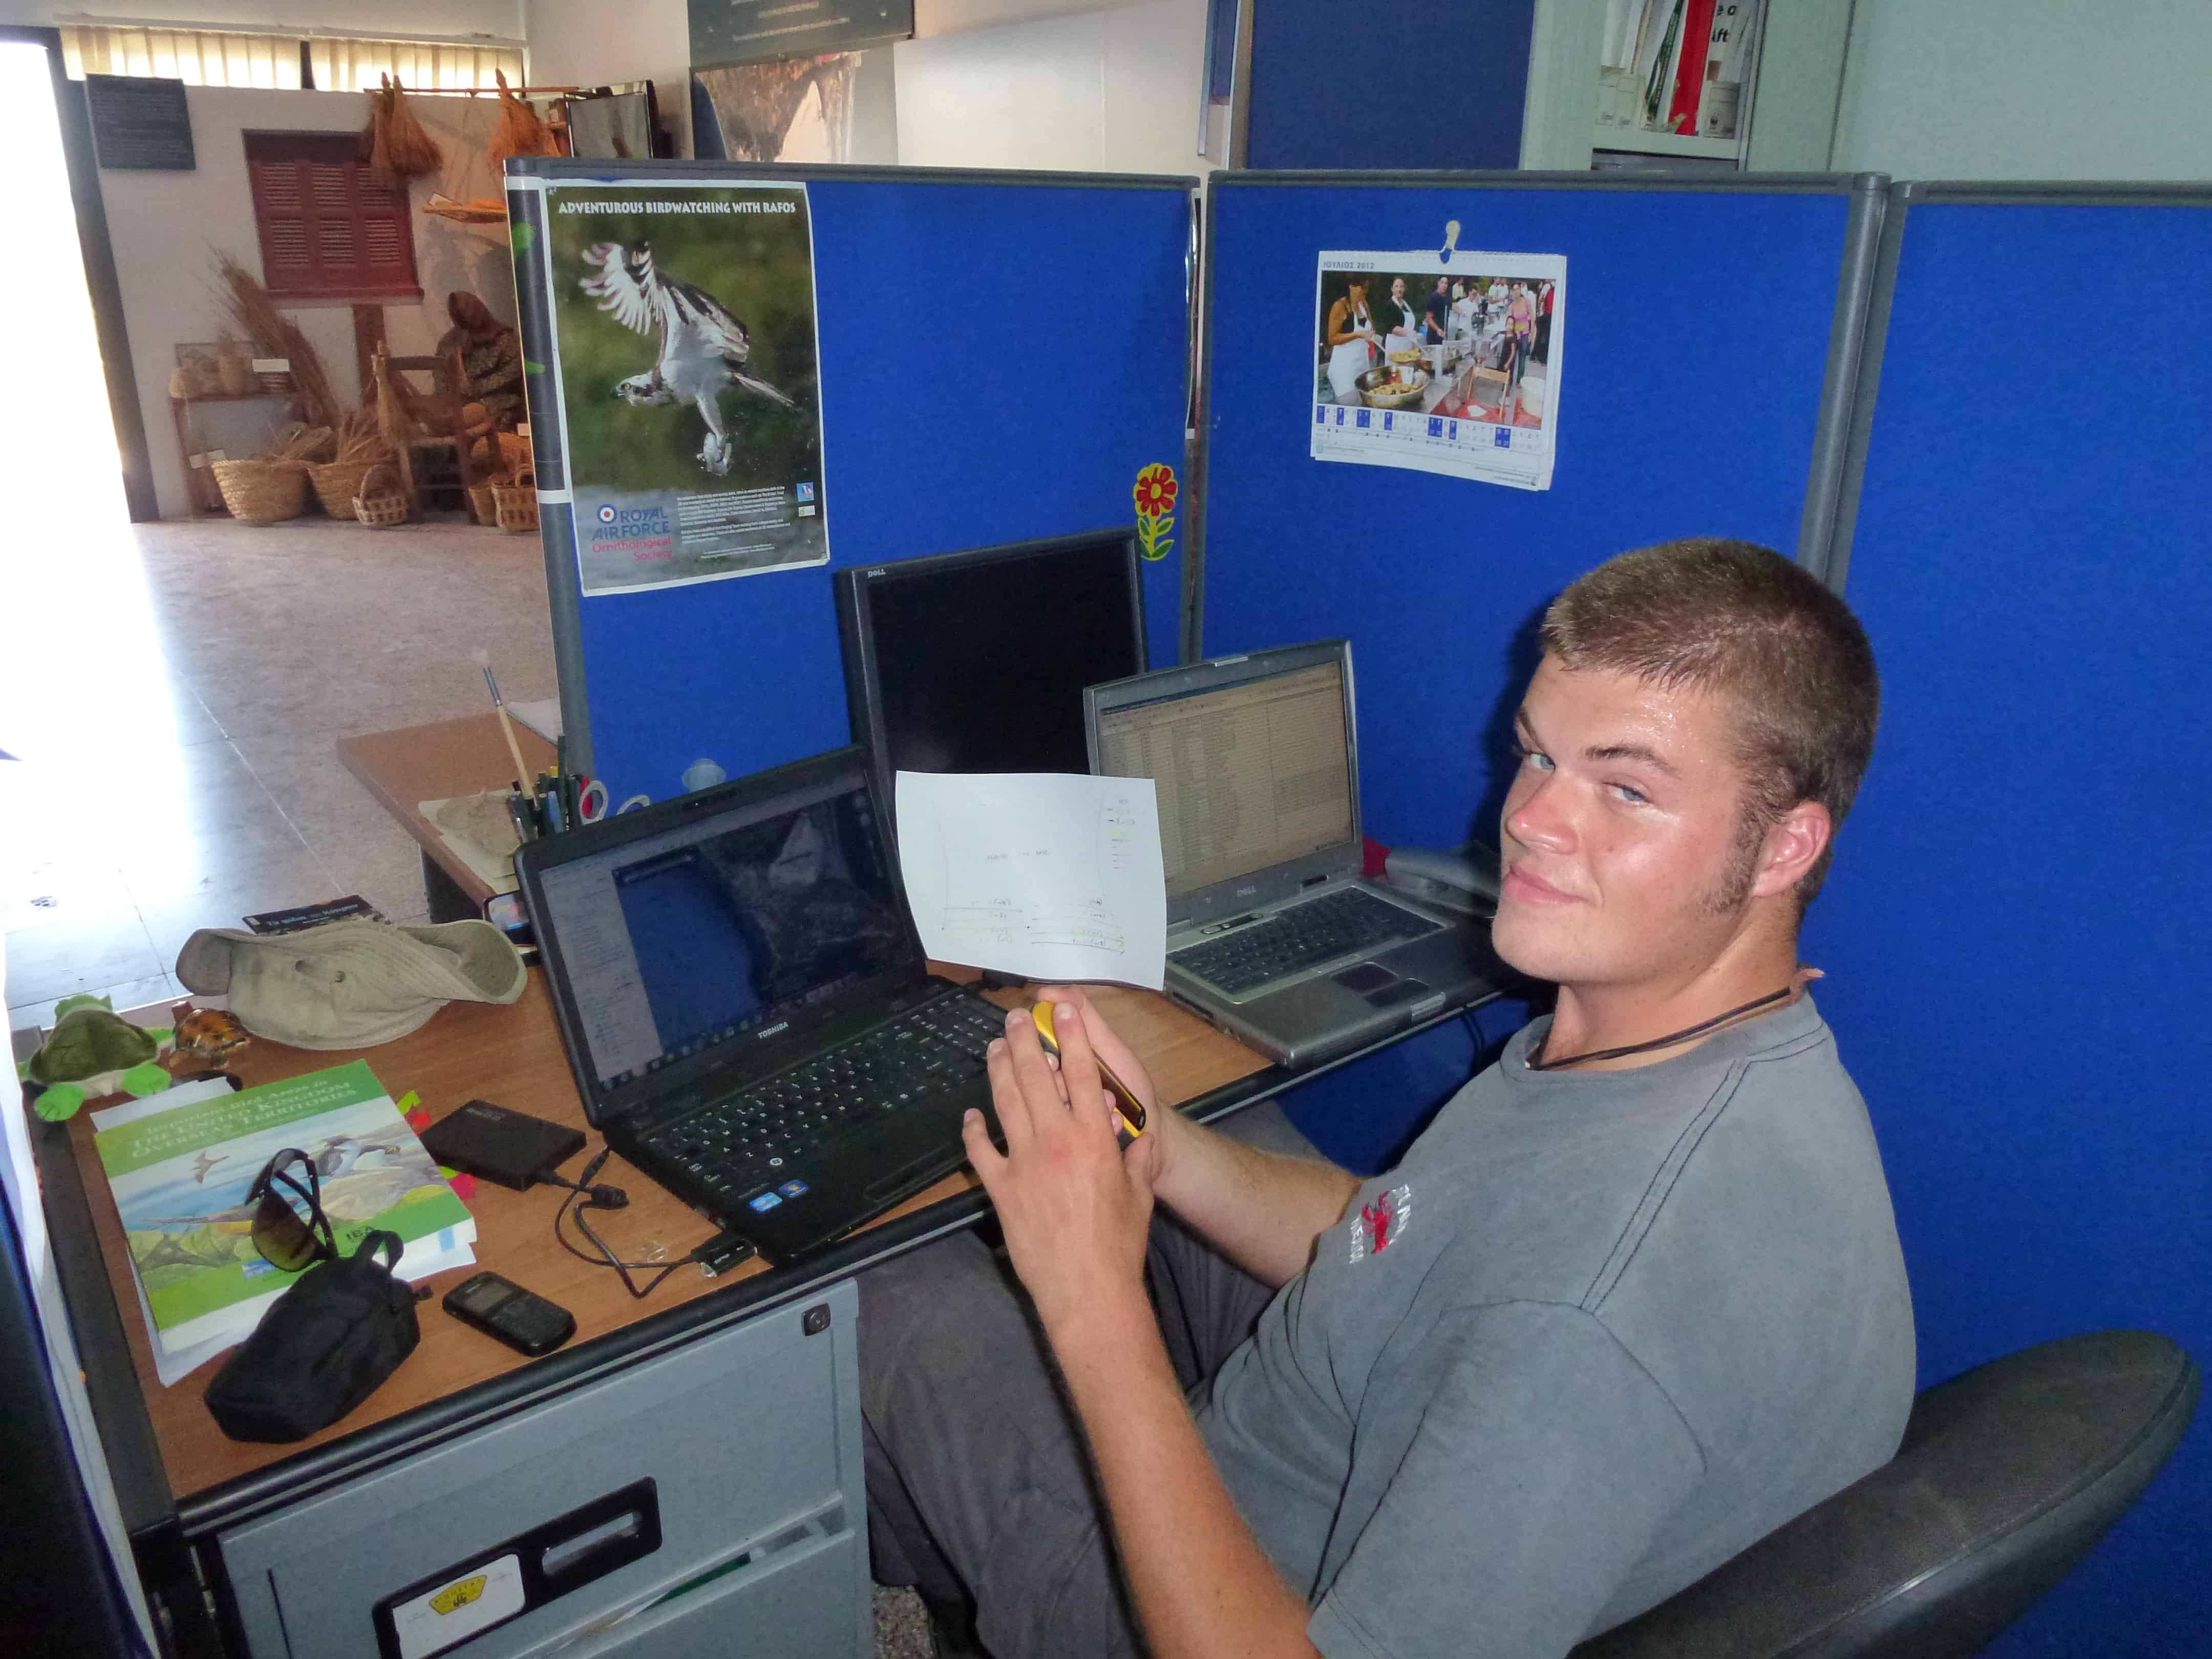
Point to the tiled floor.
(175, 692)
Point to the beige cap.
(349, 984)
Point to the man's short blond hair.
(1739, 622)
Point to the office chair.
(2007, 1477)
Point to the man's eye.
(1535, 759)
(1630, 793)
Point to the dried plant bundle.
(399, 147)
(274, 334)
(401, 415)
(298, 442)
(519, 132)
(358, 438)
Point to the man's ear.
(1792, 845)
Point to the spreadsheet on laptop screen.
(1248, 775)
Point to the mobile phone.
(500, 1307)
(1128, 1110)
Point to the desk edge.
(111, 1380)
(353, 1456)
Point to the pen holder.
(556, 803)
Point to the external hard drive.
(511, 1148)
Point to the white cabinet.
(1781, 117)
(707, 1500)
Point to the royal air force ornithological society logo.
(1381, 1221)
(606, 515)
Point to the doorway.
(74, 433)
(86, 710)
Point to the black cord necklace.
(1537, 1062)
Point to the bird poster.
(688, 359)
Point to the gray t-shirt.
(1596, 1334)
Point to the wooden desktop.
(182, 1484)
(405, 768)
(513, 1056)
(202, 1508)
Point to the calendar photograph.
(1440, 362)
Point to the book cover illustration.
(181, 1178)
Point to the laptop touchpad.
(1406, 990)
(1364, 977)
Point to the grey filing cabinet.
(705, 1501)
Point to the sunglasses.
(289, 1227)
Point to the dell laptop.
(746, 1005)
(1273, 934)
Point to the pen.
(518, 810)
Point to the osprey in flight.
(703, 346)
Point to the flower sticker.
(1155, 496)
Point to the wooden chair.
(423, 427)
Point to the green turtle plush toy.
(93, 1051)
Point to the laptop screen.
(679, 941)
(1248, 776)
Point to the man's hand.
(1148, 1154)
(1260, 1209)
(1074, 1210)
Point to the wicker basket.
(263, 492)
(336, 482)
(518, 505)
(381, 503)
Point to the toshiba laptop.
(1273, 934)
(746, 1007)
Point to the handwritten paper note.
(1049, 875)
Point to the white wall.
(935, 17)
(393, 18)
(1114, 90)
(591, 43)
(166, 229)
(2027, 89)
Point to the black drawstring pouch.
(321, 1349)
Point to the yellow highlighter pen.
(1128, 1110)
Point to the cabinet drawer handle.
(560, 1556)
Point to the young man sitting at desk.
(1633, 1300)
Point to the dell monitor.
(977, 661)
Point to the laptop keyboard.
(757, 1135)
(1289, 941)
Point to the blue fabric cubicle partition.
(999, 356)
(1393, 83)
(1701, 395)
(1712, 330)
(2014, 934)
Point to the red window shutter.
(328, 230)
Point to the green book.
(181, 1180)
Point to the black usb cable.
(717, 1256)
